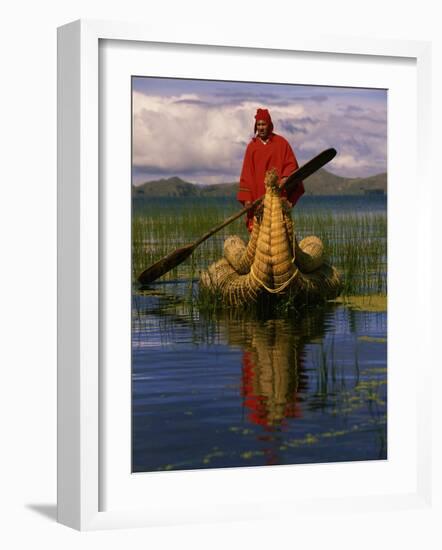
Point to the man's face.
(263, 129)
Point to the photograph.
(259, 274)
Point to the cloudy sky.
(198, 130)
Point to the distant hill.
(171, 187)
(326, 183)
(320, 183)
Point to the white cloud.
(182, 137)
(186, 135)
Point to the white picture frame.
(80, 295)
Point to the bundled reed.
(272, 262)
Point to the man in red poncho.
(266, 150)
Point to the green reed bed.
(355, 242)
(163, 226)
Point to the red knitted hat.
(263, 114)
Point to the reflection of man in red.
(272, 374)
(266, 150)
(271, 396)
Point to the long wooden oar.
(178, 256)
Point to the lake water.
(231, 389)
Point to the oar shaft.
(226, 222)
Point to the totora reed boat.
(273, 262)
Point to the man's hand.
(286, 203)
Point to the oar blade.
(164, 265)
(310, 168)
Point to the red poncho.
(259, 158)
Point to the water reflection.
(272, 363)
(233, 389)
